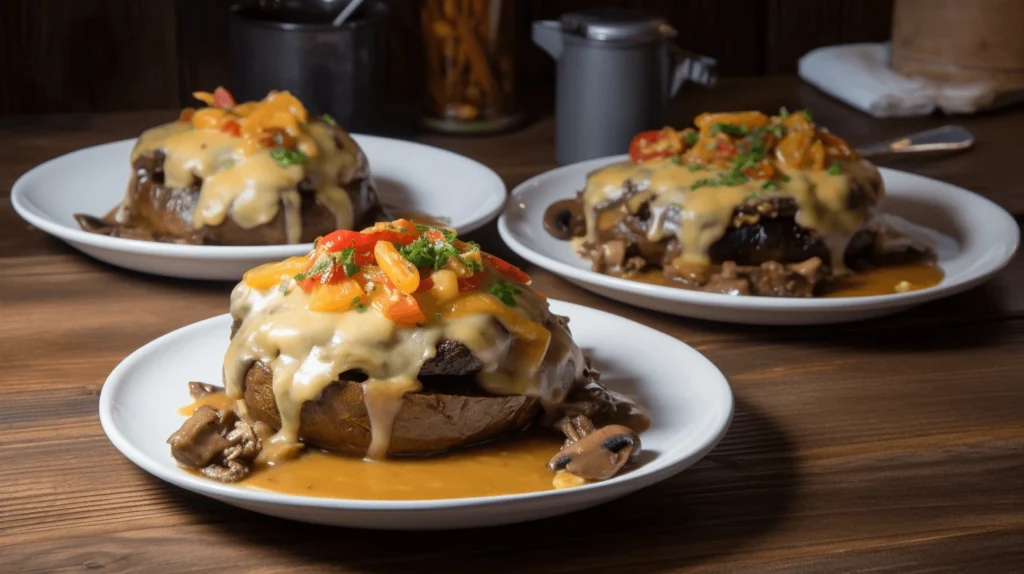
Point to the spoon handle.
(946, 138)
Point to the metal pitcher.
(618, 70)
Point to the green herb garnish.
(835, 168)
(691, 138)
(732, 130)
(807, 115)
(695, 167)
(675, 160)
(783, 112)
(286, 157)
(754, 195)
(784, 177)
(505, 292)
(438, 315)
(328, 120)
(323, 264)
(355, 302)
(348, 261)
(769, 185)
(361, 309)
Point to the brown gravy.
(887, 280)
(510, 466)
(883, 280)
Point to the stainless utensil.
(946, 138)
(349, 9)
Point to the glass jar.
(469, 48)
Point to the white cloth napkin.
(859, 74)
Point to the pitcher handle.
(694, 67)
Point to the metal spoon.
(340, 19)
(946, 138)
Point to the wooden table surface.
(894, 445)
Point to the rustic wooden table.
(892, 445)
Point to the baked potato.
(256, 173)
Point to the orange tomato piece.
(399, 270)
(342, 296)
(271, 274)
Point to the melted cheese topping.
(707, 212)
(307, 350)
(249, 186)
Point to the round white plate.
(689, 399)
(409, 177)
(974, 238)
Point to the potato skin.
(426, 422)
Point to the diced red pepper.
(426, 283)
(363, 242)
(232, 127)
(507, 269)
(470, 283)
(400, 307)
(223, 98)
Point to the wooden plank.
(69, 55)
(890, 445)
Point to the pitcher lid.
(617, 24)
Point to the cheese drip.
(250, 186)
(706, 213)
(307, 350)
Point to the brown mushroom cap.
(600, 454)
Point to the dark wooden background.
(103, 55)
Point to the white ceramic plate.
(691, 407)
(973, 236)
(409, 177)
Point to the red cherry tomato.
(653, 144)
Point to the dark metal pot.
(341, 71)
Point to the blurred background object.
(949, 55)
(60, 56)
(618, 70)
(469, 50)
(294, 45)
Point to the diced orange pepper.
(399, 270)
(270, 274)
(342, 296)
(537, 337)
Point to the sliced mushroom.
(599, 454)
(216, 442)
(199, 390)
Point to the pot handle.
(694, 67)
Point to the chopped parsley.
(691, 138)
(438, 315)
(783, 112)
(435, 254)
(769, 185)
(361, 308)
(731, 130)
(328, 120)
(807, 115)
(322, 265)
(777, 130)
(286, 157)
(355, 302)
(835, 168)
(754, 195)
(695, 167)
(784, 177)
(348, 261)
(505, 292)
(675, 160)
